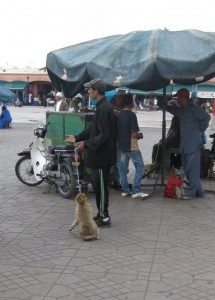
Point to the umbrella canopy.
(6, 96)
(145, 60)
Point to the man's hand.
(70, 139)
(140, 135)
(80, 146)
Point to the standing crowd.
(113, 140)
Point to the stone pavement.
(156, 249)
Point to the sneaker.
(200, 195)
(186, 198)
(139, 195)
(115, 185)
(125, 194)
(102, 222)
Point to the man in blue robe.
(193, 122)
(5, 117)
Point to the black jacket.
(100, 139)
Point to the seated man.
(172, 140)
(75, 102)
(5, 117)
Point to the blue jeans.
(137, 160)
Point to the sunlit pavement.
(155, 249)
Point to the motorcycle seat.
(63, 148)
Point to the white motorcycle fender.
(38, 155)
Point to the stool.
(205, 163)
(174, 155)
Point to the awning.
(205, 87)
(204, 90)
(4, 83)
(159, 92)
(17, 85)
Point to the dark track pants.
(100, 181)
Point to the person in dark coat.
(99, 147)
(172, 140)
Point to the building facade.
(27, 83)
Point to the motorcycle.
(144, 107)
(55, 165)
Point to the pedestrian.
(135, 106)
(61, 104)
(128, 135)
(193, 122)
(30, 99)
(99, 146)
(76, 101)
(214, 107)
(155, 103)
(5, 117)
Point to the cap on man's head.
(182, 93)
(78, 96)
(97, 84)
(59, 94)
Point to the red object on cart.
(170, 191)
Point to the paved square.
(156, 249)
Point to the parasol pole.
(89, 100)
(163, 141)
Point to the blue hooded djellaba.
(5, 117)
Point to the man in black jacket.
(99, 146)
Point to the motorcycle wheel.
(25, 173)
(69, 188)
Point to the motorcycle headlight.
(40, 131)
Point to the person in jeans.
(99, 146)
(128, 135)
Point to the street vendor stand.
(61, 124)
(66, 123)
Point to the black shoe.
(115, 185)
(103, 222)
(96, 218)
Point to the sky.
(30, 29)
